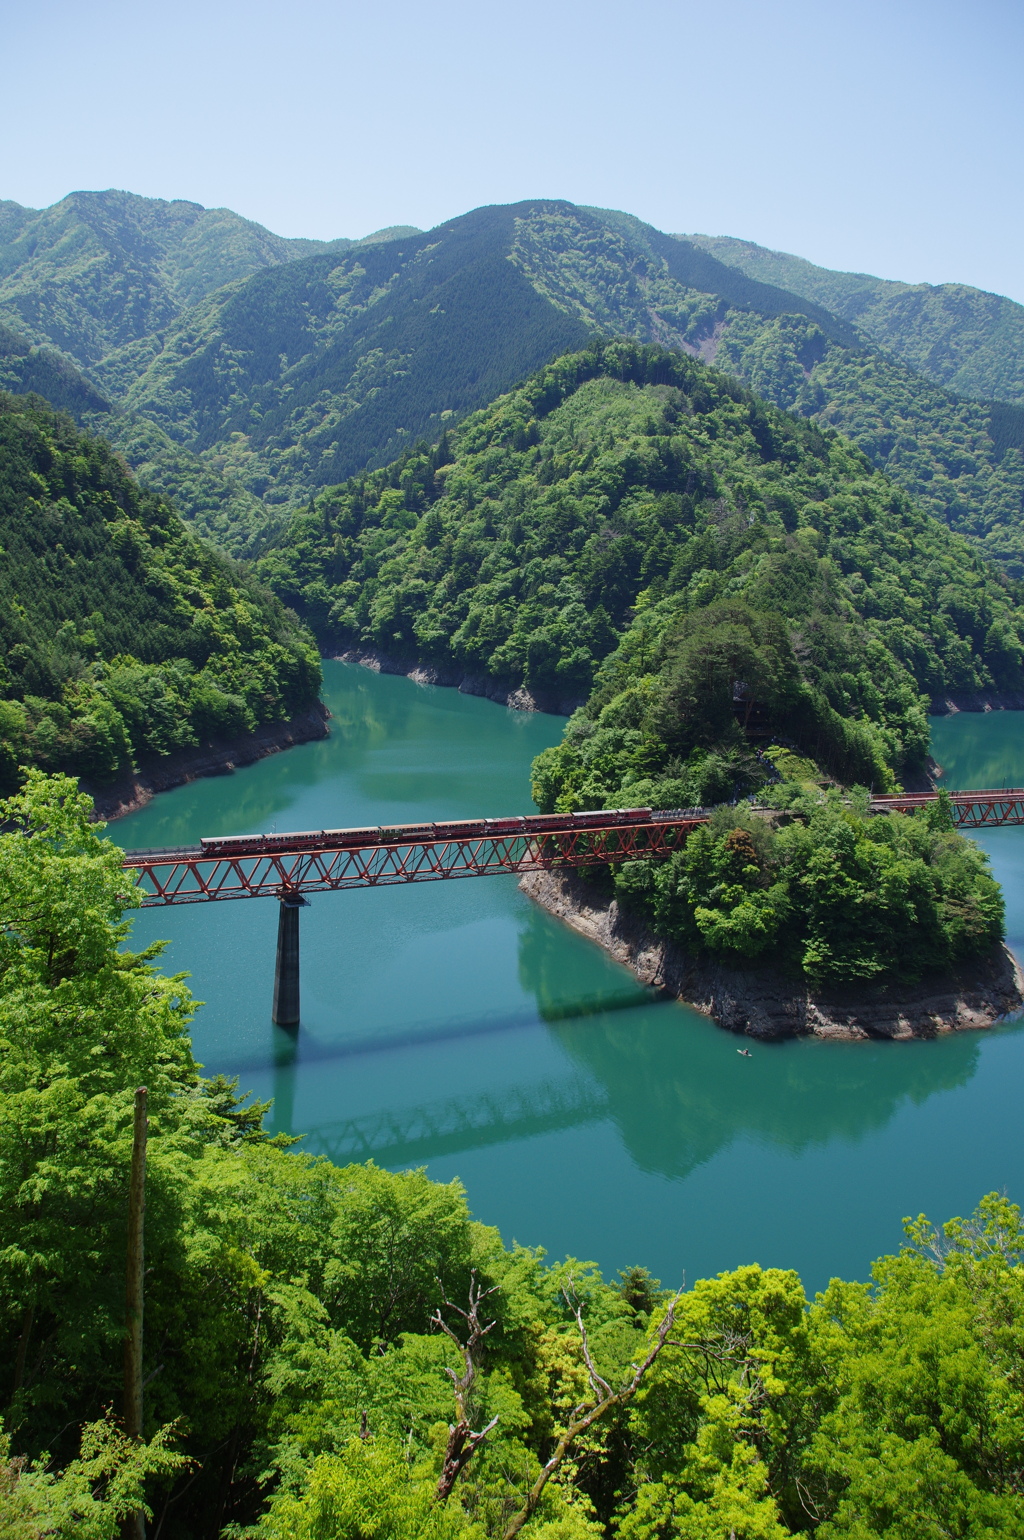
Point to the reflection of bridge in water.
(414, 1135)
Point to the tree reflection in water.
(678, 1091)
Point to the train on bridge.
(288, 866)
(226, 845)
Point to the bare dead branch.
(462, 1441)
(600, 1387)
(584, 1417)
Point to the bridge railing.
(289, 865)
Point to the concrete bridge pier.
(286, 973)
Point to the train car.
(233, 844)
(514, 825)
(347, 839)
(614, 818)
(298, 839)
(406, 833)
(161, 854)
(557, 822)
(460, 829)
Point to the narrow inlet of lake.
(453, 1025)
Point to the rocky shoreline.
(765, 1004)
(518, 697)
(978, 700)
(218, 757)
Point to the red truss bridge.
(327, 860)
(289, 866)
(971, 809)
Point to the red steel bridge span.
(289, 866)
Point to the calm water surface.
(455, 1025)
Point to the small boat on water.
(745, 1052)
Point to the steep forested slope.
(25, 368)
(122, 635)
(241, 398)
(634, 481)
(304, 374)
(963, 338)
(101, 269)
(962, 460)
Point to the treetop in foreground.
(298, 1383)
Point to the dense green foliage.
(293, 1360)
(256, 371)
(101, 270)
(834, 896)
(123, 636)
(965, 339)
(627, 482)
(206, 491)
(961, 460)
(42, 371)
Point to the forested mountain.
(123, 636)
(965, 339)
(100, 270)
(305, 373)
(242, 400)
(25, 368)
(962, 460)
(628, 480)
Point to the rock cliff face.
(216, 758)
(764, 1003)
(518, 697)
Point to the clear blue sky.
(877, 135)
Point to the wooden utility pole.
(134, 1291)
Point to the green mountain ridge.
(284, 380)
(631, 481)
(965, 339)
(99, 270)
(306, 374)
(301, 376)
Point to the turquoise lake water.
(456, 1026)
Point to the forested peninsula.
(635, 531)
(337, 1353)
(127, 643)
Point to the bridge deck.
(330, 860)
(285, 865)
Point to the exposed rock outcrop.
(506, 694)
(218, 757)
(977, 700)
(764, 1003)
